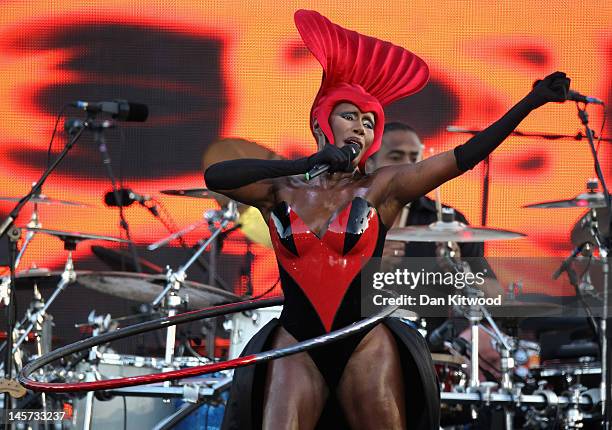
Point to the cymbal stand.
(179, 234)
(506, 362)
(43, 335)
(68, 277)
(175, 279)
(13, 235)
(606, 357)
(100, 325)
(6, 227)
(33, 223)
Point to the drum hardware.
(209, 218)
(194, 396)
(14, 235)
(175, 279)
(166, 240)
(33, 223)
(206, 387)
(573, 416)
(68, 276)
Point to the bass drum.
(141, 412)
(244, 325)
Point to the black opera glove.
(338, 160)
(232, 174)
(552, 88)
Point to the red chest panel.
(325, 267)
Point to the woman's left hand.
(553, 88)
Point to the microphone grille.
(138, 112)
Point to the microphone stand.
(486, 181)
(604, 249)
(14, 235)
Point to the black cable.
(603, 123)
(124, 413)
(120, 180)
(57, 120)
(102, 147)
(265, 292)
(196, 354)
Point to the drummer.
(402, 145)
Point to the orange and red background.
(210, 69)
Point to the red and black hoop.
(164, 322)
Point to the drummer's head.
(400, 145)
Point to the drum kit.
(518, 385)
(522, 388)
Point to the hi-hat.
(584, 200)
(454, 231)
(41, 198)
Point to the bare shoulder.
(384, 181)
(380, 196)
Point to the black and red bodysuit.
(321, 281)
(321, 276)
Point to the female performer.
(322, 231)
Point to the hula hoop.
(260, 357)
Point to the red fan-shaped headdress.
(363, 70)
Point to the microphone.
(126, 198)
(564, 266)
(351, 149)
(442, 333)
(121, 110)
(577, 97)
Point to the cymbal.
(41, 198)
(198, 193)
(584, 200)
(235, 148)
(117, 259)
(252, 223)
(454, 231)
(145, 288)
(139, 287)
(75, 237)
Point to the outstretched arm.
(408, 182)
(251, 181)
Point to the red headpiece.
(363, 70)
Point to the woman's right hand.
(338, 160)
